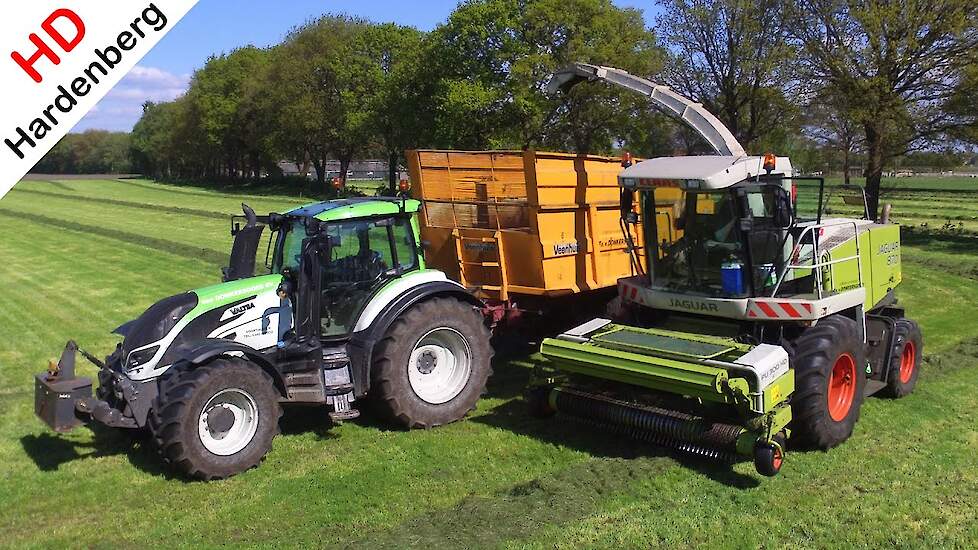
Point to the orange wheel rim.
(842, 387)
(778, 458)
(908, 361)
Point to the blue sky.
(216, 26)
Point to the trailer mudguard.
(210, 348)
(362, 343)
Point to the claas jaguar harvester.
(345, 308)
(754, 326)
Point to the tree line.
(836, 83)
(90, 152)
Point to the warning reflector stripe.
(791, 311)
(768, 310)
(778, 310)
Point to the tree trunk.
(845, 164)
(320, 172)
(345, 158)
(392, 158)
(874, 169)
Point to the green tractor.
(745, 324)
(345, 310)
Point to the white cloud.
(122, 107)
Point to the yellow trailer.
(510, 224)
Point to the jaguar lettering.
(692, 305)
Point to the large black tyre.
(242, 410)
(829, 360)
(437, 333)
(904, 367)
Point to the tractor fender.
(362, 343)
(205, 350)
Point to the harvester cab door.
(366, 254)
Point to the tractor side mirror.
(783, 211)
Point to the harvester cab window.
(768, 245)
(710, 241)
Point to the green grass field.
(81, 257)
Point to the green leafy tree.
(732, 56)
(164, 143)
(314, 93)
(895, 64)
(494, 58)
(218, 106)
(386, 65)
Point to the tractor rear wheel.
(216, 420)
(829, 361)
(908, 346)
(432, 365)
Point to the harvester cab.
(345, 308)
(754, 325)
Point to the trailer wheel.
(830, 375)
(432, 365)
(769, 456)
(216, 420)
(908, 347)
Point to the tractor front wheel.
(830, 376)
(216, 420)
(432, 365)
(908, 346)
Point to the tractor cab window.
(365, 255)
(710, 241)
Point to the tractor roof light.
(770, 162)
(404, 186)
(337, 183)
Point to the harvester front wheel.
(432, 365)
(830, 375)
(908, 346)
(216, 420)
(769, 456)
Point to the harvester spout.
(691, 113)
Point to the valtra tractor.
(346, 309)
(754, 328)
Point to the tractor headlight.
(141, 357)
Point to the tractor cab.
(726, 233)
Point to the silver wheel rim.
(245, 412)
(440, 366)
